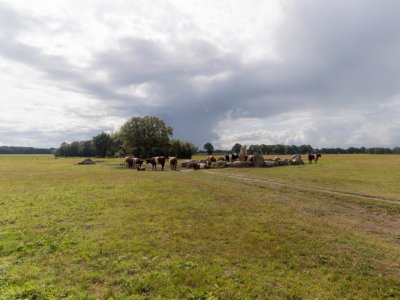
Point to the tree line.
(140, 136)
(24, 150)
(280, 149)
(150, 136)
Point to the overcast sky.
(319, 72)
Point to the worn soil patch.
(307, 188)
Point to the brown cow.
(156, 160)
(129, 162)
(173, 162)
(138, 162)
(210, 160)
(133, 162)
(312, 157)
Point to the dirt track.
(307, 188)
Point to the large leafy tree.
(209, 148)
(102, 143)
(145, 136)
(236, 148)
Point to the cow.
(129, 162)
(173, 162)
(231, 157)
(234, 157)
(249, 158)
(133, 162)
(137, 162)
(210, 160)
(314, 156)
(156, 160)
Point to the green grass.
(375, 175)
(104, 232)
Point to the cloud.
(308, 72)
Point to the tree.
(182, 149)
(102, 144)
(306, 149)
(145, 136)
(116, 149)
(25, 150)
(236, 148)
(396, 150)
(86, 148)
(278, 149)
(74, 149)
(253, 149)
(62, 151)
(209, 148)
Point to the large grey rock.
(296, 161)
(269, 164)
(242, 153)
(87, 161)
(258, 160)
(242, 164)
(284, 162)
(203, 166)
(220, 164)
(189, 163)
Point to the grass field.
(72, 231)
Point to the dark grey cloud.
(141, 60)
(343, 49)
(331, 56)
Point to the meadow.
(323, 231)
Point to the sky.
(318, 72)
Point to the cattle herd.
(230, 160)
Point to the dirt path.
(307, 188)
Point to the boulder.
(284, 162)
(87, 161)
(203, 166)
(188, 162)
(242, 153)
(258, 160)
(269, 164)
(220, 164)
(296, 161)
(242, 164)
(192, 164)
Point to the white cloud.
(290, 72)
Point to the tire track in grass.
(307, 188)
